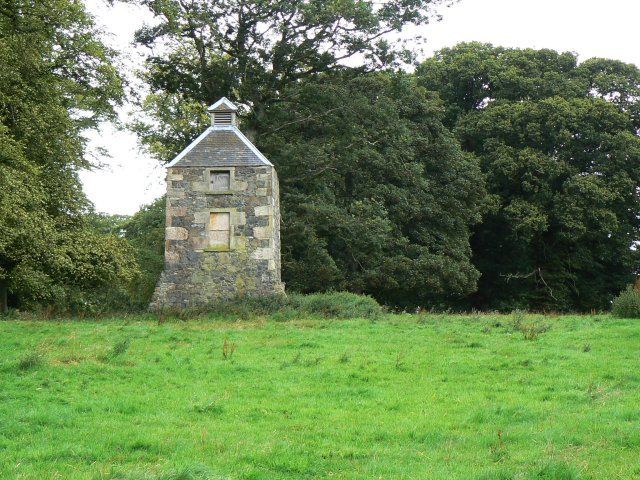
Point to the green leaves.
(376, 194)
(57, 79)
(252, 51)
(558, 146)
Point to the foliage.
(559, 148)
(252, 51)
(57, 79)
(398, 398)
(335, 305)
(145, 233)
(376, 195)
(107, 224)
(627, 304)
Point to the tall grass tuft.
(530, 329)
(30, 361)
(118, 349)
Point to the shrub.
(339, 305)
(530, 329)
(336, 305)
(627, 304)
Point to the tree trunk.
(3, 298)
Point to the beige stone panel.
(263, 233)
(264, 253)
(219, 221)
(261, 192)
(175, 176)
(219, 181)
(218, 238)
(264, 210)
(176, 233)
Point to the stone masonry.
(222, 235)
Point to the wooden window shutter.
(220, 181)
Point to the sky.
(129, 178)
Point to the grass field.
(404, 397)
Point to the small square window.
(219, 231)
(219, 181)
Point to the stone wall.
(195, 274)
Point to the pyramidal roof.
(220, 146)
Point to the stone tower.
(222, 235)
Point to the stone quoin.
(222, 237)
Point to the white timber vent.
(223, 118)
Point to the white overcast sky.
(129, 179)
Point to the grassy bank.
(402, 397)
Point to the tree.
(559, 147)
(252, 50)
(145, 232)
(377, 196)
(57, 80)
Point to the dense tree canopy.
(558, 144)
(145, 232)
(490, 178)
(56, 80)
(252, 50)
(377, 196)
(364, 160)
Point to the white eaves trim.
(223, 101)
(209, 130)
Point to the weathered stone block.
(263, 232)
(263, 210)
(176, 233)
(262, 253)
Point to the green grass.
(403, 397)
